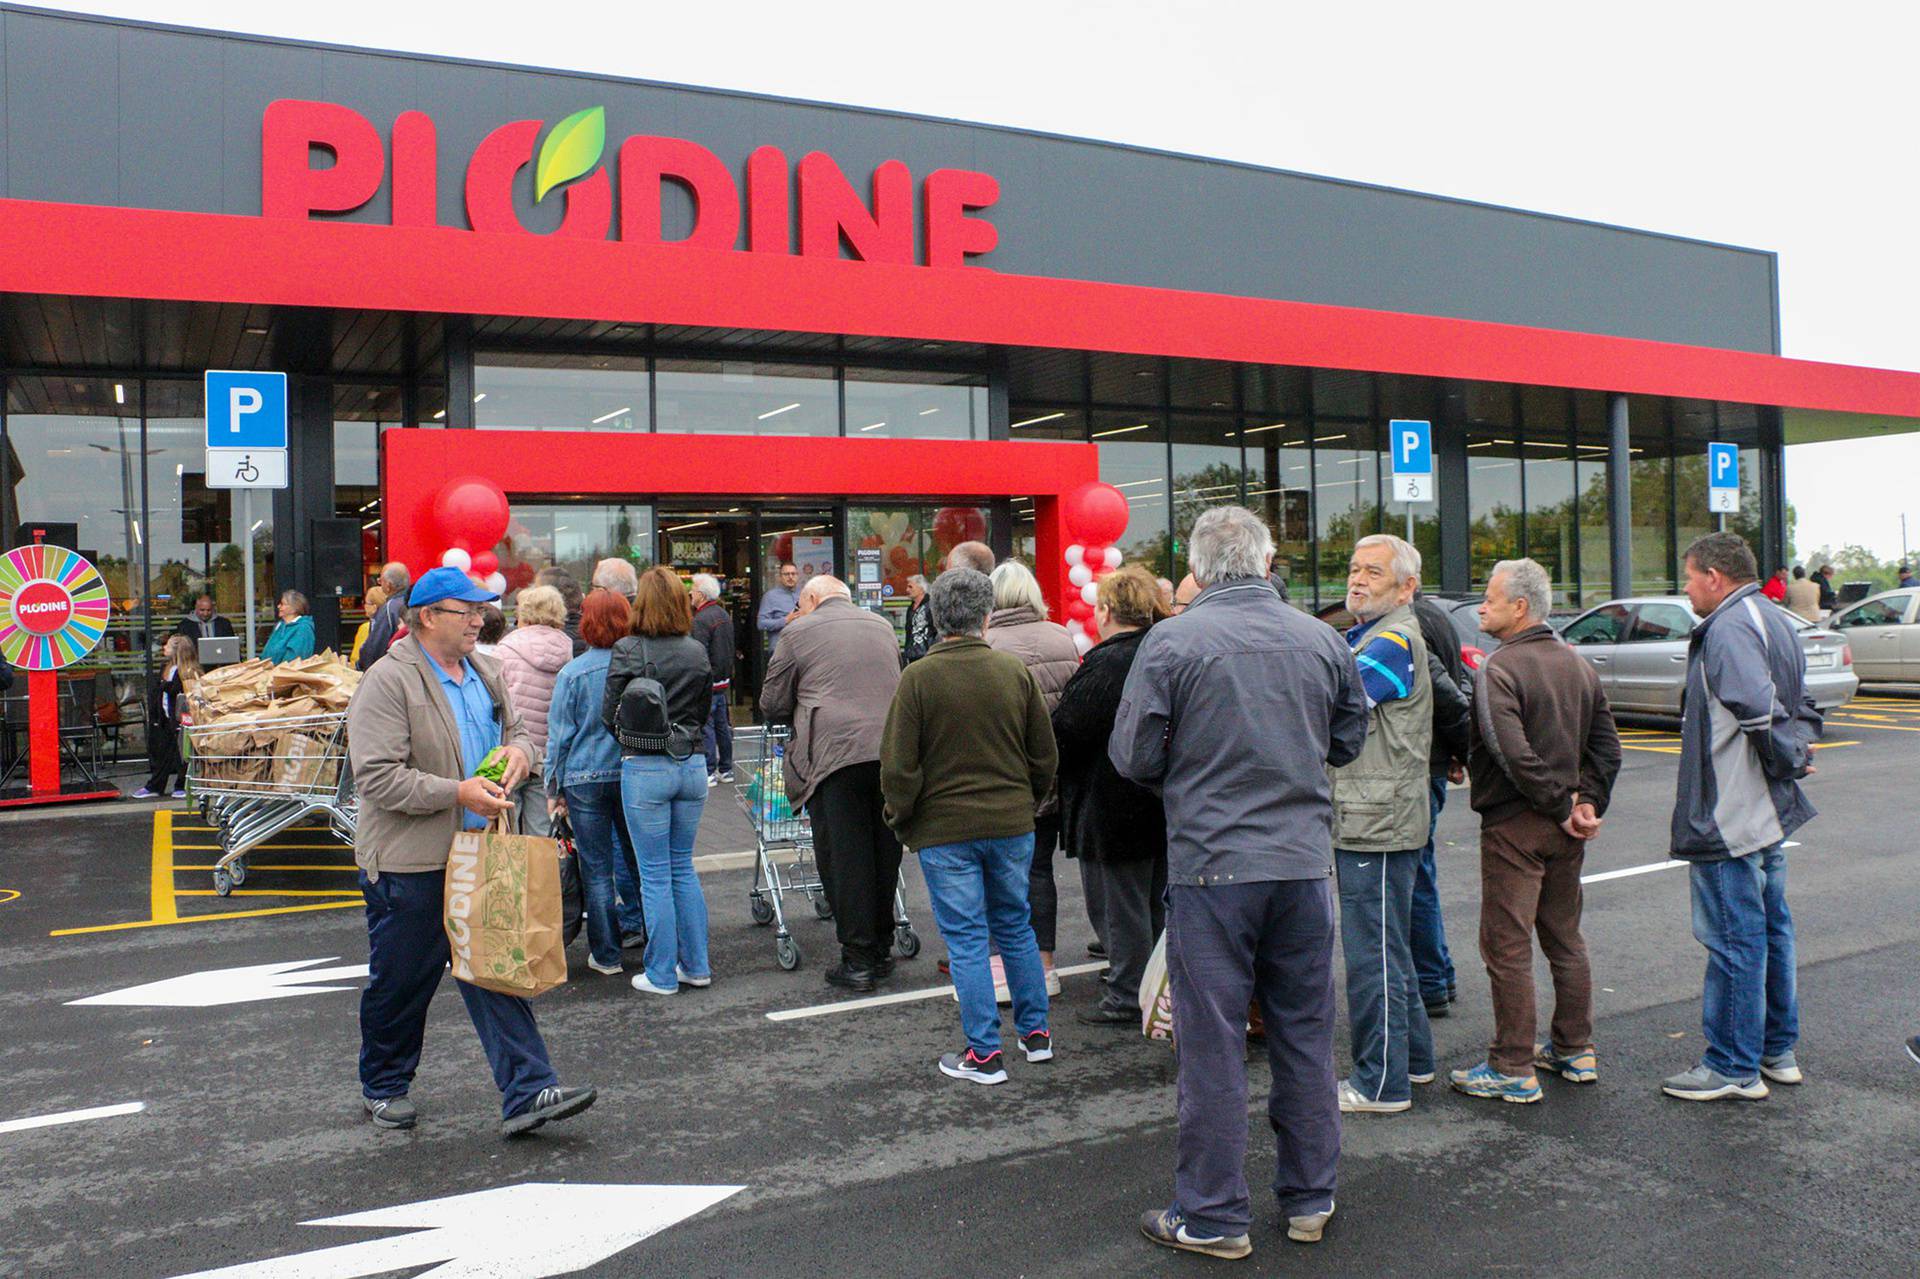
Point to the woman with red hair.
(583, 785)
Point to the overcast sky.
(1789, 131)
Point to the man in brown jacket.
(1543, 756)
(833, 677)
(418, 727)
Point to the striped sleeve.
(1386, 667)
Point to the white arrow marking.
(231, 986)
(73, 1116)
(528, 1231)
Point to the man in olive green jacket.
(1380, 822)
(419, 725)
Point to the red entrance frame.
(580, 465)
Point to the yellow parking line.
(291, 830)
(261, 848)
(1884, 728)
(1827, 746)
(271, 892)
(204, 919)
(253, 866)
(160, 890)
(1660, 750)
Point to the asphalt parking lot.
(728, 1142)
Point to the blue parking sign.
(246, 410)
(1723, 466)
(1412, 444)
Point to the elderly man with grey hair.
(713, 627)
(974, 555)
(918, 623)
(1233, 711)
(968, 751)
(385, 624)
(1543, 755)
(833, 678)
(616, 575)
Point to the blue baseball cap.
(447, 584)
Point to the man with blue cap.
(419, 725)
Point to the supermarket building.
(713, 330)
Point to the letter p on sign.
(246, 409)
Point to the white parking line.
(1650, 867)
(901, 997)
(73, 1116)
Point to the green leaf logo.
(571, 150)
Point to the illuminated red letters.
(835, 220)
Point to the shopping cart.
(255, 776)
(783, 851)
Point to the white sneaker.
(713, 780)
(1353, 1103)
(687, 979)
(613, 970)
(641, 984)
(1308, 1227)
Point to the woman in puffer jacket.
(531, 656)
(1019, 625)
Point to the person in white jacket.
(531, 656)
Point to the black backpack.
(642, 723)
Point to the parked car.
(1463, 611)
(1638, 647)
(1884, 632)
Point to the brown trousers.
(1530, 881)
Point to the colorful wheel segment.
(53, 607)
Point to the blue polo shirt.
(472, 707)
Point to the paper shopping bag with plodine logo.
(502, 911)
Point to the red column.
(1049, 554)
(43, 732)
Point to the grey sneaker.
(391, 1112)
(1913, 1049)
(1168, 1227)
(1309, 1228)
(1782, 1069)
(551, 1105)
(1701, 1084)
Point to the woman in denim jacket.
(583, 785)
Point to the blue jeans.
(1391, 1037)
(979, 893)
(1749, 1007)
(717, 735)
(600, 841)
(663, 798)
(1227, 945)
(1431, 958)
(406, 957)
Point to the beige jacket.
(1803, 597)
(405, 750)
(833, 676)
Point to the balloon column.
(1096, 516)
(470, 517)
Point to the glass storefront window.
(1346, 469)
(1279, 489)
(1133, 458)
(887, 404)
(1047, 422)
(1547, 459)
(360, 414)
(1494, 509)
(743, 398)
(1206, 473)
(1590, 489)
(559, 392)
(573, 537)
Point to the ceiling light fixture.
(608, 417)
(1035, 421)
(1277, 426)
(119, 393)
(876, 426)
(784, 408)
(1121, 430)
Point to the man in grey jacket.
(1233, 712)
(1746, 738)
(418, 727)
(833, 677)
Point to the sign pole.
(246, 543)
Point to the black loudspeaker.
(53, 534)
(335, 545)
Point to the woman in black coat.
(1118, 830)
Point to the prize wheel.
(53, 607)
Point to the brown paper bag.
(502, 911)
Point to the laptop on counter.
(219, 650)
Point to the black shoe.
(1095, 949)
(633, 941)
(391, 1112)
(552, 1104)
(1435, 1011)
(991, 1069)
(883, 969)
(847, 977)
(1104, 1016)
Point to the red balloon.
(520, 576)
(485, 562)
(1096, 512)
(782, 549)
(953, 525)
(1079, 609)
(472, 513)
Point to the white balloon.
(1082, 642)
(497, 583)
(1079, 575)
(1113, 557)
(1076, 554)
(1090, 593)
(456, 558)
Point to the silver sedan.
(1885, 636)
(1638, 647)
